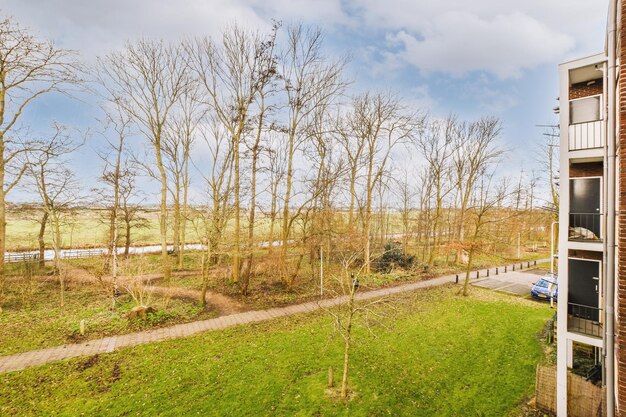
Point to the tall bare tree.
(381, 121)
(436, 146)
(178, 143)
(487, 200)
(57, 187)
(114, 176)
(232, 74)
(475, 147)
(30, 68)
(149, 78)
(309, 81)
(210, 225)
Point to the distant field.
(86, 228)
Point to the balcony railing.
(588, 135)
(584, 319)
(585, 226)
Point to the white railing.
(587, 135)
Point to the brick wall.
(584, 254)
(587, 169)
(581, 90)
(621, 223)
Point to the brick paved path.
(108, 344)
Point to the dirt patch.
(115, 372)
(88, 363)
(223, 304)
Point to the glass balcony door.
(585, 218)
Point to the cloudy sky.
(468, 57)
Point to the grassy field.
(44, 323)
(84, 229)
(435, 354)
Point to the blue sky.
(470, 58)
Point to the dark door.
(583, 288)
(584, 205)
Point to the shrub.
(394, 257)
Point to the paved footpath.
(108, 344)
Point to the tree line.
(269, 127)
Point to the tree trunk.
(127, 240)
(352, 198)
(3, 219)
(237, 255)
(56, 242)
(285, 228)
(185, 215)
(176, 224)
(468, 270)
(346, 351)
(41, 240)
(165, 261)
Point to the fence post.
(487, 272)
(477, 274)
(457, 278)
(513, 267)
(496, 270)
(505, 268)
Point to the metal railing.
(584, 319)
(21, 257)
(585, 226)
(587, 135)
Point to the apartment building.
(592, 234)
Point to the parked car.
(546, 287)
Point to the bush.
(394, 257)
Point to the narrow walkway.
(33, 358)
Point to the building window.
(584, 110)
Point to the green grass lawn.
(435, 354)
(45, 323)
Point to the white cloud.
(454, 36)
(460, 42)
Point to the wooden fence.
(584, 399)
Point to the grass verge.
(434, 354)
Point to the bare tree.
(348, 310)
(265, 89)
(114, 174)
(29, 69)
(149, 78)
(406, 194)
(309, 81)
(436, 146)
(57, 187)
(381, 122)
(211, 224)
(549, 160)
(178, 142)
(130, 211)
(474, 149)
(232, 74)
(276, 166)
(485, 209)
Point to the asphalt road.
(514, 282)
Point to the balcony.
(588, 135)
(584, 319)
(585, 227)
